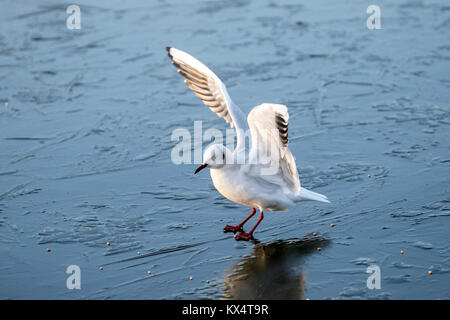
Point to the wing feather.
(269, 128)
(210, 89)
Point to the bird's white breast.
(231, 187)
(237, 187)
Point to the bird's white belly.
(240, 190)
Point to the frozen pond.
(86, 118)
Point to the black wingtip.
(168, 52)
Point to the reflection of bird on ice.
(272, 271)
(240, 175)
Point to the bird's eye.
(223, 156)
(213, 158)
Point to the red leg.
(240, 225)
(248, 235)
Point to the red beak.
(201, 167)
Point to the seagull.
(263, 176)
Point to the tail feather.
(307, 195)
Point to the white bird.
(262, 176)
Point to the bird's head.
(215, 157)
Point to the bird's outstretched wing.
(269, 130)
(210, 89)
